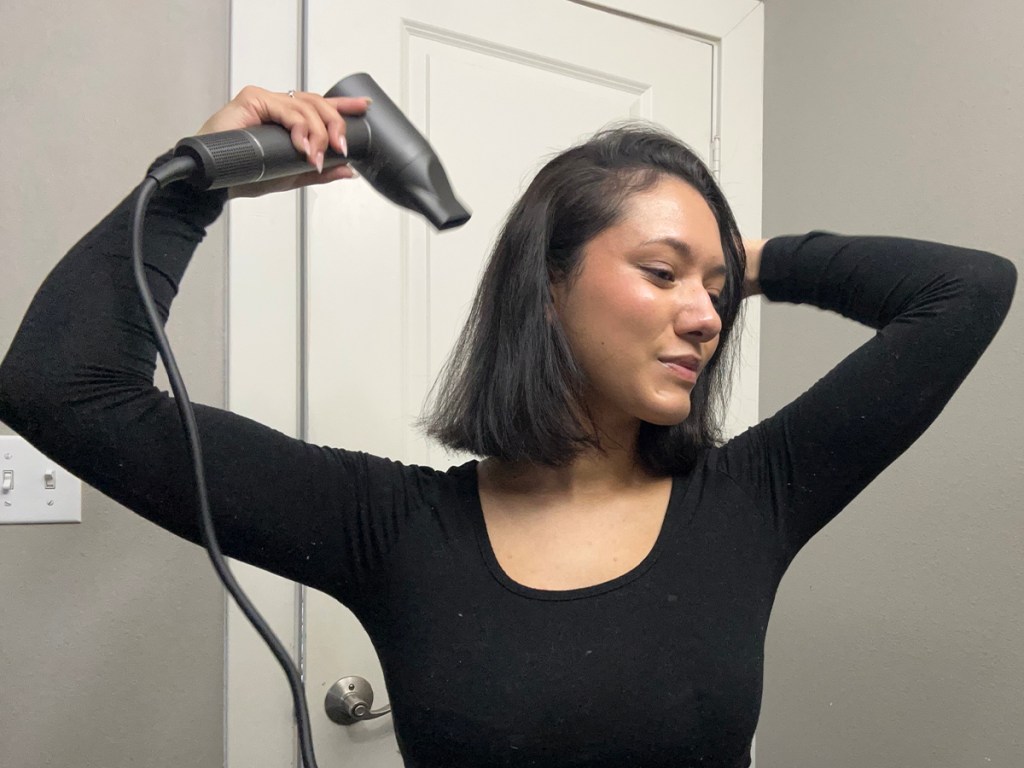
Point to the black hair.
(512, 388)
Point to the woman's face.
(647, 292)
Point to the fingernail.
(320, 162)
(344, 145)
(368, 100)
(305, 143)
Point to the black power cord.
(180, 168)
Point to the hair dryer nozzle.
(397, 160)
(435, 200)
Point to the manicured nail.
(368, 100)
(344, 145)
(305, 143)
(319, 162)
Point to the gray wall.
(111, 643)
(895, 639)
(896, 635)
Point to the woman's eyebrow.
(685, 251)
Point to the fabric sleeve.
(77, 383)
(935, 308)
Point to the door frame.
(265, 324)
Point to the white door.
(497, 87)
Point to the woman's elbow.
(992, 281)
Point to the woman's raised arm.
(77, 382)
(935, 307)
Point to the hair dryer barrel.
(400, 163)
(382, 145)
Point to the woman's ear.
(555, 294)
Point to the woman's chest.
(560, 546)
(483, 672)
(634, 676)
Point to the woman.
(597, 590)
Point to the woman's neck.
(589, 476)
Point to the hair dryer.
(382, 145)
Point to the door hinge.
(716, 156)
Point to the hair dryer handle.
(261, 152)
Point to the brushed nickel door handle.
(349, 700)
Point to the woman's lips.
(684, 373)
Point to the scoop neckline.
(476, 513)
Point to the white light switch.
(33, 489)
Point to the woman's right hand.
(751, 283)
(315, 122)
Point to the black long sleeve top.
(661, 666)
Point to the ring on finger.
(292, 94)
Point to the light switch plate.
(24, 497)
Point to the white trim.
(263, 365)
(741, 61)
(302, 360)
(708, 19)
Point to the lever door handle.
(349, 700)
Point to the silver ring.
(292, 94)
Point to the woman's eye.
(662, 274)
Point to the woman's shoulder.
(377, 477)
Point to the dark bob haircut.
(512, 388)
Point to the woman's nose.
(698, 316)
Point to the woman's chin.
(668, 418)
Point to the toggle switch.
(37, 497)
